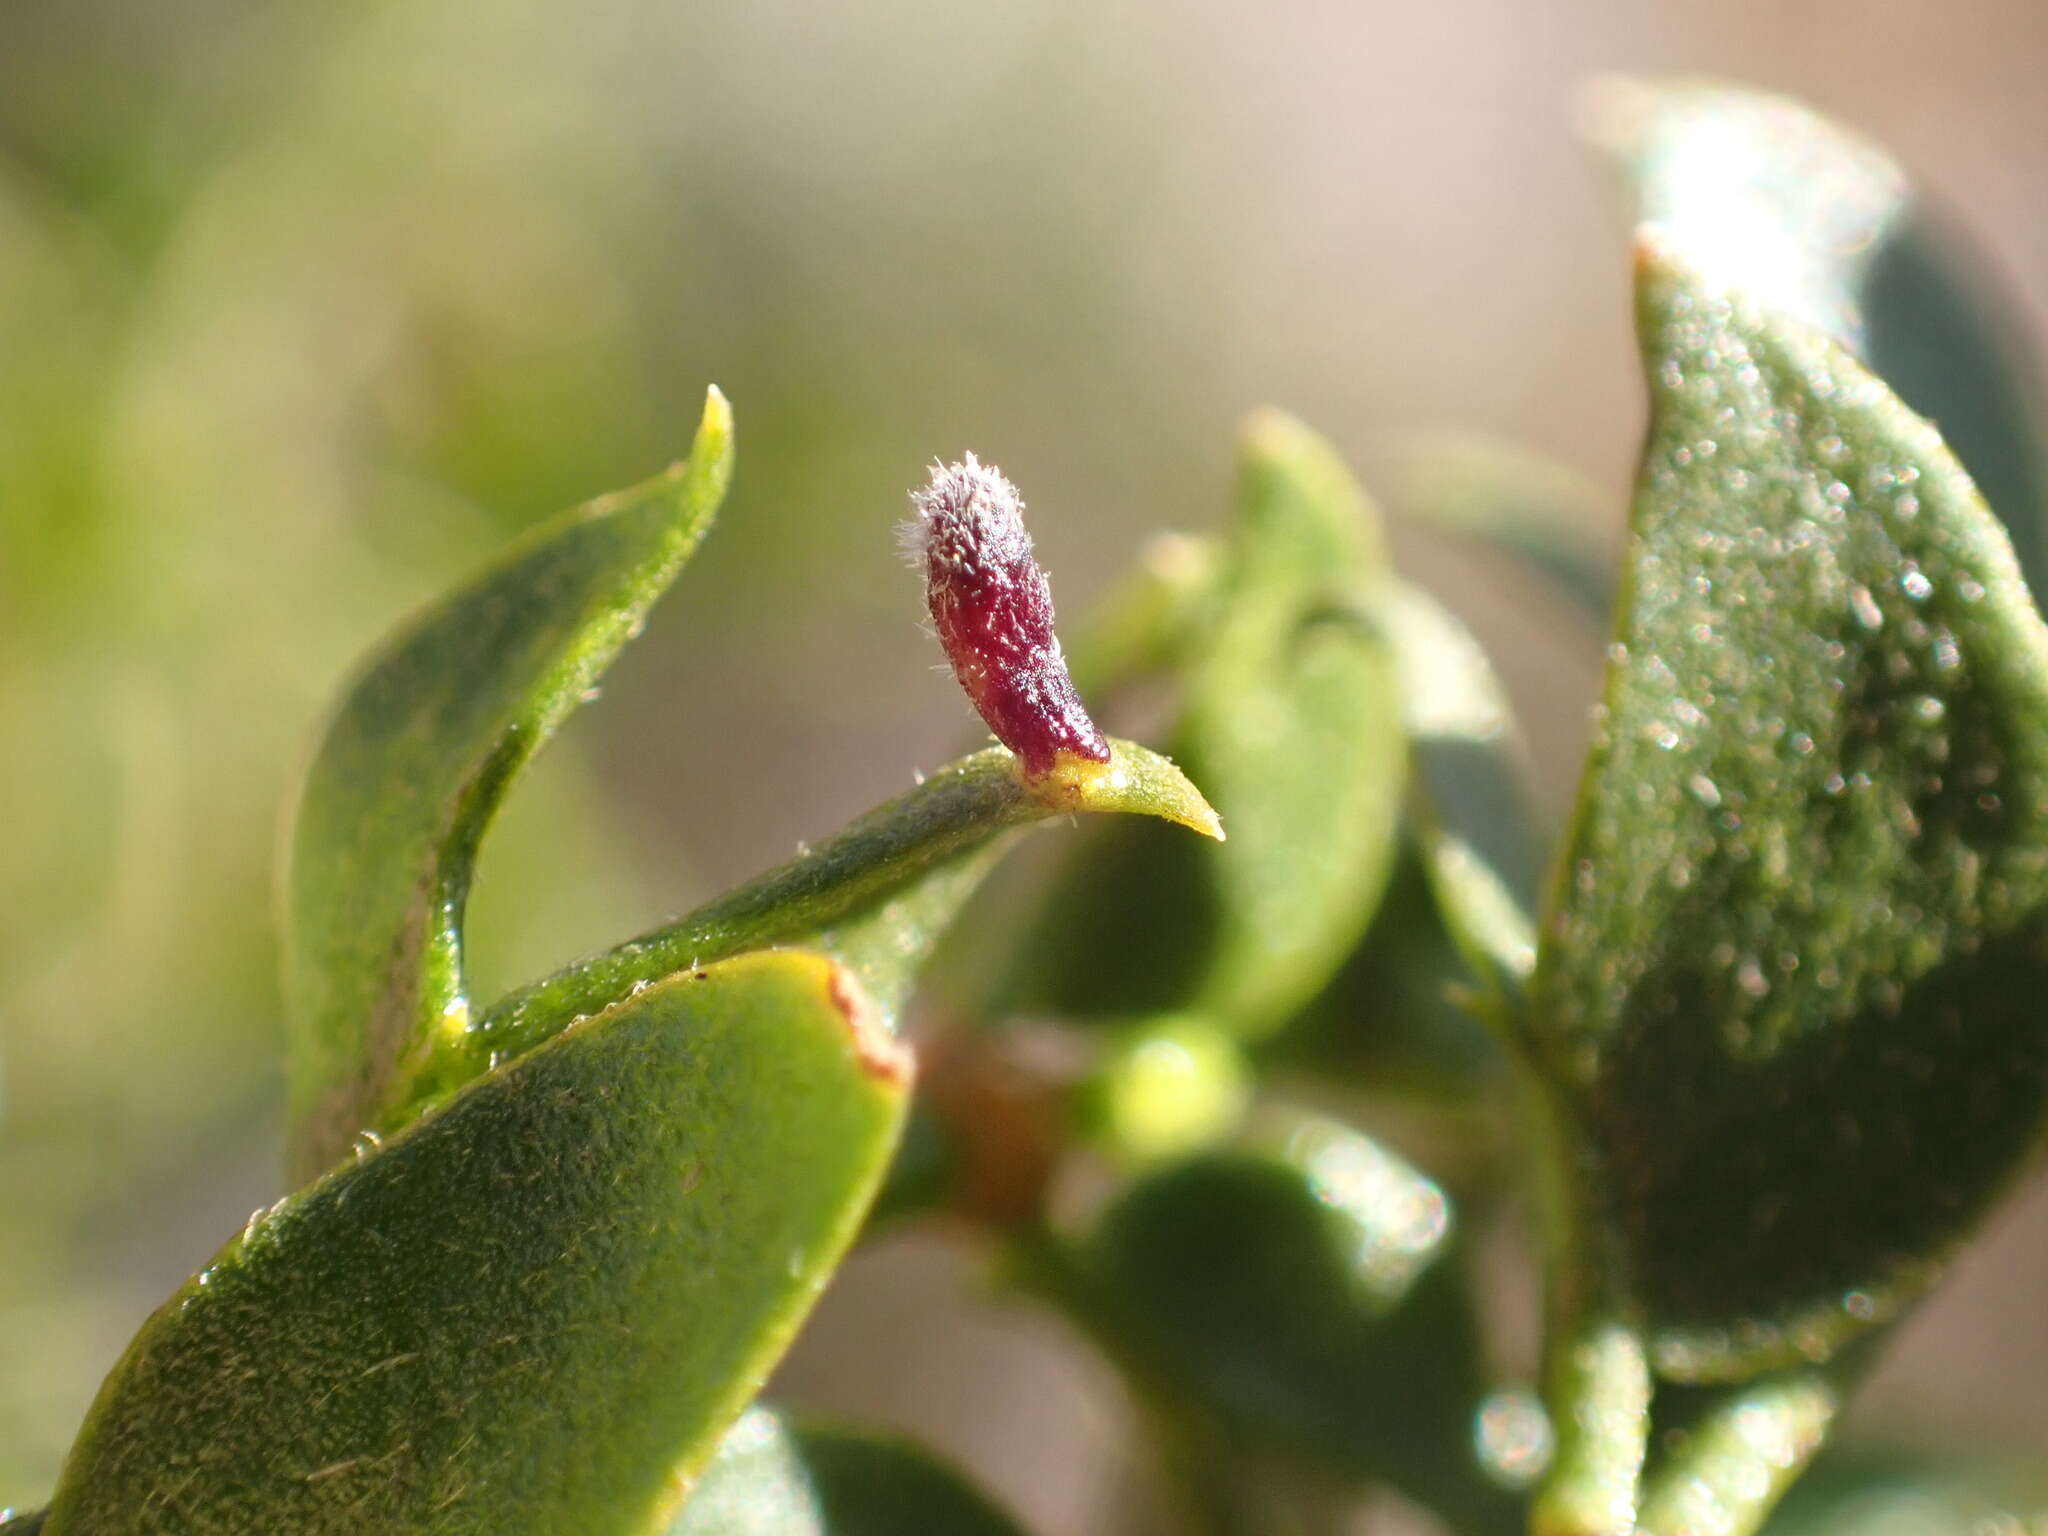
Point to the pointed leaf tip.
(424, 745)
(1134, 779)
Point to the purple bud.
(993, 612)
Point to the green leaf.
(1397, 1017)
(1290, 722)
(415, 761)
(536, 1310)
(1784, 1002)
(876, 897)
(772, 1478)
(1305, 1302)
(1404, 1011)
(1765, 197)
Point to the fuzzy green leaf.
(1304, 1302)
(772, 1478)
(1785, 994)
(1291, 723)
(536, 1310)
(416, 759)
(1768, 198)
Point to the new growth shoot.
(992, 610)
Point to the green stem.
(1738, 1460)
(1598, 1391)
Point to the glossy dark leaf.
(775, 1478)
(1768, 198)
(418, 756)
(1784, 1001)
(535, 1310)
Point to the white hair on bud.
(967, 512)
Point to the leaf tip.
(711, 449)
(1135, 779)
(1652, 253)
(1271, 433)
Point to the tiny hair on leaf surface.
(537, 1309)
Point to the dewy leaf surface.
(536, 1310)
(1291, 724)
(1787, 989)
(417, 757)
(774, 1478)
(1767, 197)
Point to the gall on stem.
(992, 610)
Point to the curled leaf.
(416, 759)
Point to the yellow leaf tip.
(714, 427)
(1271, 432)
(1133, 780)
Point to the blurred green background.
(304, 308)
